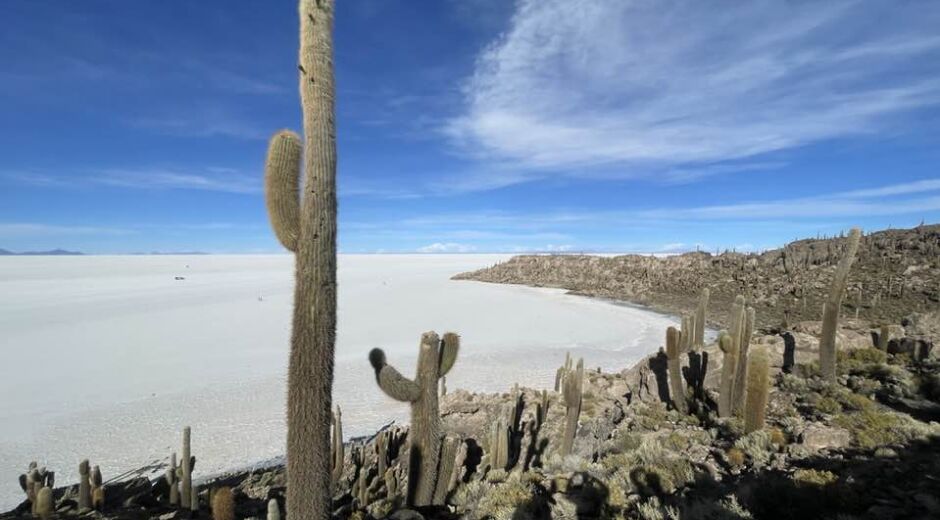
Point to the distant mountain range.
(54, 252)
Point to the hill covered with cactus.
(897, 272)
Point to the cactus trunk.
(827, 343)
(758, 385)
(673, 341)
(186, 476)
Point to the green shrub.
(874, 428)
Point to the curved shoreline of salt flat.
(129, 354)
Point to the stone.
(818, 437)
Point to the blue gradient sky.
(473, 125)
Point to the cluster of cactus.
(90, 487)
(734, 345)
(306, 226)
(830, 321)
(435, 359)
(37, 483)
(179, 478)
(572, 390)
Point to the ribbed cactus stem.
(827, 342)
(381, 451)
(338, 450)
(435, 359)
(728, 368)
(698, 335)
(447, 467)
(673, 358)
(282, 188)
(573, 387)
(758, 386)
(743, 345)
(84, 486)
(186, 471)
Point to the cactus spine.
(758, 385)
(186, 471)
(827, 343)
(84, 486)
(307, 227)
(573, 386)
(435, 359)
(338, 450)
(673, 341)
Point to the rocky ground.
(867, 446)
(864, 446)
(897, 272)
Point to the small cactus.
(499, 445)
(84, 486)
(44, 504)
(562, 372)
(758, 385)
(450, 464)
(573, 387)
(223, 504)
(186, 471)
(830, 322)
(172, 481)
(435, 359)
(274, 510)
(673, 342)
(337, 449)
(391, 483)
(97, 490)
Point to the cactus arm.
(450, 344)
(282, 191)
(827, 342)
(391, 381)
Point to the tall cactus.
(307, 227)
(674, 362)
(743, 346)
(827, 343)
(758, 385)
(572, 391)
(435, 359)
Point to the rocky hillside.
(897, 272)
(864, 447)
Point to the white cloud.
(446, 247)
(631, 84)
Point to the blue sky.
(473, 125)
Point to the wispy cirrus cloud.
(32, 229)
(210, 178)
(633, 87)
